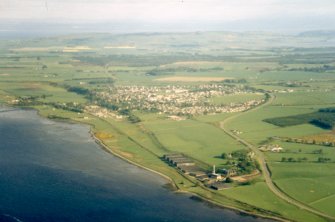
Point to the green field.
(201, 141)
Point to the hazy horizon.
(76, 16)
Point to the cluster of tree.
(320, 151)
(323, 159)
(304, 159)
(57, 117)
(156, 72)
(242, 160)
(327, 110)
(324, 123)
(246, 183)
(240, 154)
(101, 81)
(131, 117)
(105, 104)
(134, 119)
(291, 159)
(73, 107)
(290, 84)
(246, 166)
(229, 180)
(77, 89)
(323, 68)
(29, 101)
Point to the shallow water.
(52, 171)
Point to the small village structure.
(273, 148)
(186, 166)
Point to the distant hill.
(318, 33)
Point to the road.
(264, 167)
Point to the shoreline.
(177, 190)
(170, 181)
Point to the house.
(277, 149)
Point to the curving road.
(264, 167)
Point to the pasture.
(201, 141)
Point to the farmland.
(146, 95)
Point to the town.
(177, 99)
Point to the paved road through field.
(264, 167)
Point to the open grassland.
(298, 150)
(315, 98)
(255, 130)
(239, 98)
(201, 141)
(259, 195)
(312, 186)
(48, 92)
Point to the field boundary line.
(322, 199)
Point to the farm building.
(219, 186)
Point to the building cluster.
(187, 166)
(102, 112)
(177, 100)
(236, 132)
(184, 164)
(271, 147)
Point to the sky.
(311, 14)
